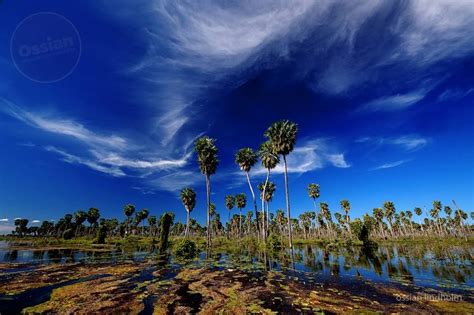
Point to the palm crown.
(207, 155)
(268, 155)
(229, 202)
(188, 198)
(282, 134)
(246, 158)
(313, 191)
(240, 201)
(269, 190)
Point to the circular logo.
(45, 47)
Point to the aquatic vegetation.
(185, 249)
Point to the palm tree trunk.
(254, 202)
(287, 194)
(208, 192)
(187, 225)
(240, 222)
(263, 205)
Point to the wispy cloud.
(114, 155)
(308, 156)
(390, 165)
(4, 220)
(406, 142)
(394, 102)
(69, 158)
(454, 94)
(65, 127)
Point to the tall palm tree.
(188, 198)
(389, 211)
(313, 192)
(270, 160)
(434, 212)
(79, 217)
(241, 202)
(282, 135)
(346, 206)
(206, 151)
(128, 210)
(246, 159)
(152, 220)
(229, 203)
(92, 216)
(378, 215)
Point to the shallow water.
(435, 266)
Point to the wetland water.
(447, 269)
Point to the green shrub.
(274, 242)
(185, 249)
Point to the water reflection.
(411, 264)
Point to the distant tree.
(92, 216)
(241, 202)
(79, 218)
(246, 159)
(129, 210)
(207, 159)
(188, 198)
(282, 135)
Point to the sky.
(382, 92)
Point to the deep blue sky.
(382, 92)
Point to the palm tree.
(313, 192)
(270, 160)
(282, 135)
(346, 206)
(152, 220)
(206, 151)
(246, 159)
(241, 202)
(378, 215)
(79, 217)
(143, 215)
(229, 203)
(128, 210)
(188, 198)
(435, 213)
(92, 216)
(389, 211)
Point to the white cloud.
(69, 158)
(454, 94)
(394, 102)
(390, 165)
(36, 221)
(175, 181)
(110, 154)
(309, 156)
(409, 142)
(65, 127)
(4, 220)
(337, 160)
(406, 142)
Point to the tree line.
(384, 222)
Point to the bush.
(68, 234)
(274, 242)
(185, 249)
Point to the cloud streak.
(405, 142)
(310, 155)
(389, 165)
